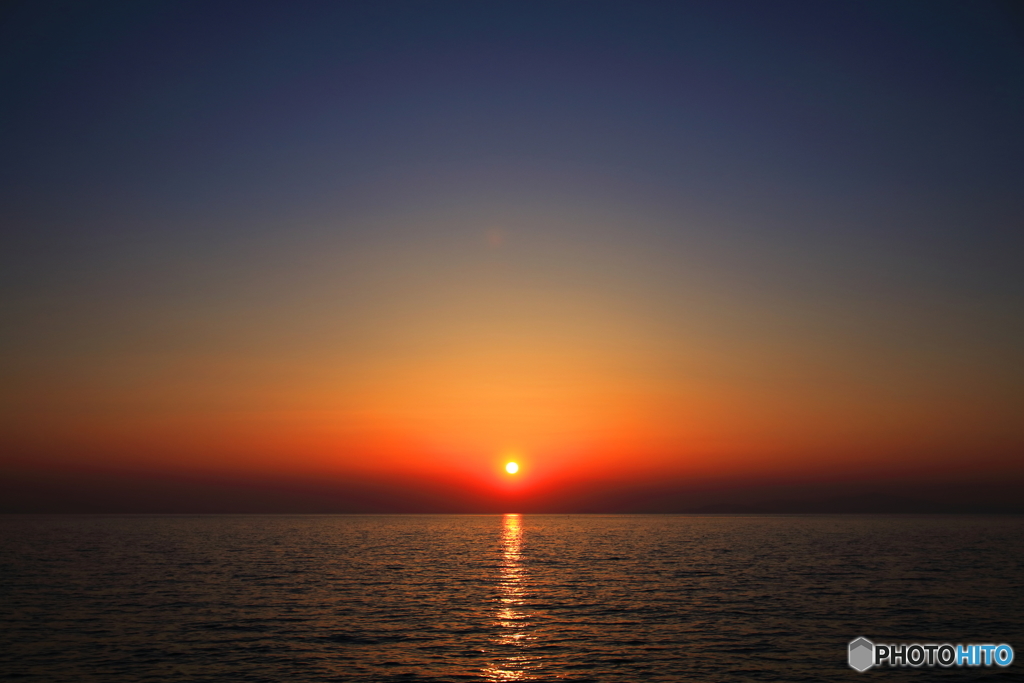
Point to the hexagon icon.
(862, 654)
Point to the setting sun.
(512, 468)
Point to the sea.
(500, 598)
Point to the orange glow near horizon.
(585, 372)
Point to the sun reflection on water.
(511, 619)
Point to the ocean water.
(499, 598)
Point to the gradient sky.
(405, 242)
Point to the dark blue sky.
(808, 131)
(188, 107)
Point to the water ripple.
(467, 598)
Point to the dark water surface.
(491, 598)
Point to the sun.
(512, 468)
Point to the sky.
(381, 249)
